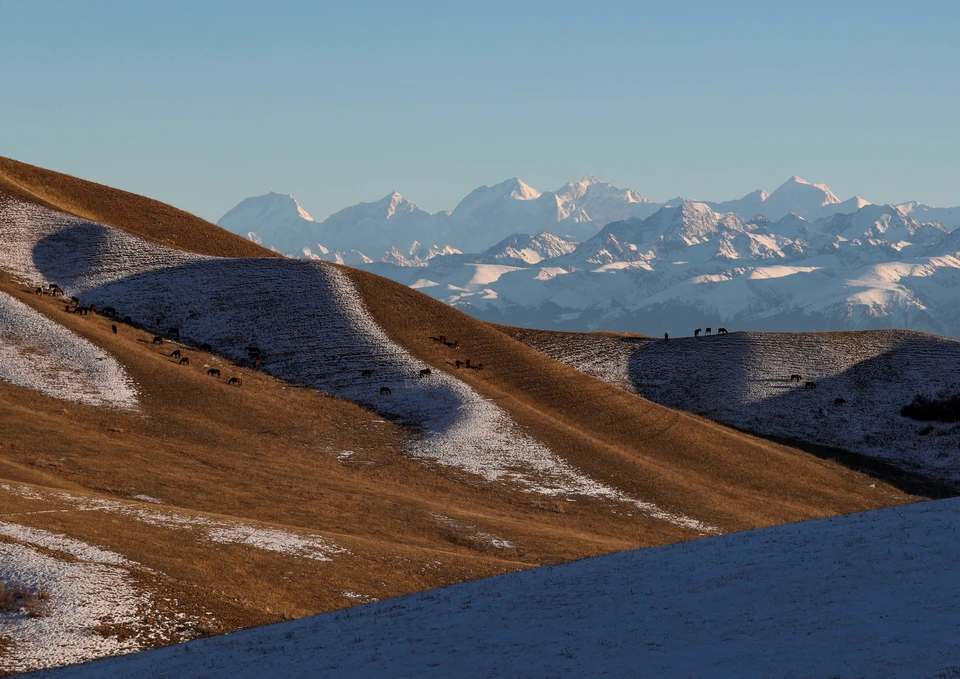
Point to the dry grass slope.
(282, 459)
(147, 218)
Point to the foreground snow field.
(871, 594)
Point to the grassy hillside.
(308, 488)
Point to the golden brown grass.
(267, 453)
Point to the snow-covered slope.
(521, 248)
(869, 594)
(39, 354)
(743, 379)
(313, 329)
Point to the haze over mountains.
(593, 256)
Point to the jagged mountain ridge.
(688, 265)
(576, 211)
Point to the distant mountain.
(576, 211)
(690, 265)
(274, 220)
(523, 249)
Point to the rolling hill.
(207, 507)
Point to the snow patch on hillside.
(39, 354)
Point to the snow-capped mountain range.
(798, 258)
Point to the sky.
(203, 104)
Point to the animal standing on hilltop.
(696, 333)
(721, 331)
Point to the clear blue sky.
(201, 104)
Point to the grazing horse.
(185, 360)
(39, 291)
(75, 300)
(385, 390)
(809, 385)
(205, 347)
(175, 354)
(696, 333)
(174, 332)
(366, 373)
(721, 331)
(424, 373)
(114, 328)
(459, 363)
(666, 337)
(157, 339)
(235, 380)
(57, 292)
(707, 331)
(213, 372)
(839, 401)
(467, 363)
(109, 311)
(795, 377)
(127, 320)
(51, 286)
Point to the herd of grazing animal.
(76, 307)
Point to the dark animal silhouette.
(205, 347)
(809, 385)
(93, 307)
(235, 380)
(185, 360)
(66, 307)
(51, 286)
(459, 363)
(707, 331)
(109, 311)
(721, 331)
(666, 337)
(795, 377)
(385, 390)
(157, 339)
(114, 328)
(366, 373)
(443, 339)
(696, 333)
(839, 401)
(425, 373)
(174, 331)
(213, 372)
(253, 351)
(75, 300)
(39, 291)
(127, 320)
(467, 363)
(57, 292)
(175, 354)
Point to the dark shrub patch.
(928, 409)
